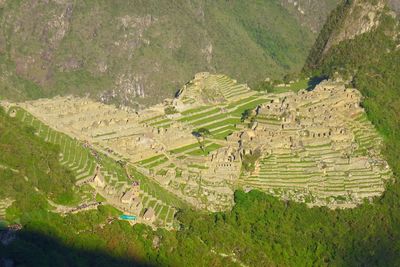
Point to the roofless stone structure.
(318, 146)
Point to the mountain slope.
(311, 14)
(349, 20)
(134, 52)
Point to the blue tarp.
(127, 217)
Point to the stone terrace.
(316, 147)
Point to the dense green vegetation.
(122, 49)
(13, 86)
(249, 160)
(170, 110)
(30, 163)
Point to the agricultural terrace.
(215, 136)
(82, 159)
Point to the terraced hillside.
(84, 162)
(4, 204)
(320, 146)
(214, 137)
(213, 89)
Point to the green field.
(152, 188)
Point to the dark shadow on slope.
(314, 81)
(37, 249)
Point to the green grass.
(197, 166)
(105, 134)
(294, 87)
(170, 216)
(228, 122)
(223, 135)
(209, 119)
(223, 129)
(251, 105)
(152, 159)
(158, 209)
(209, 148)
(199, 115)
(152, 188)
(163, 213)
(194, 110)
(152, 203)
(152, 119)
(156, 163)
(160, 122)
(185, 148)
(240, 102)
(162, 172)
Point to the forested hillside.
(27, 163)
(133, 52)
(311, 14)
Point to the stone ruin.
(326, 131)
(206, 89)
(315, 146)
(112, 130)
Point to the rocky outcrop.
(362, 16)
(310, 13)
(349, 20)
(395, 5)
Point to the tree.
(249, 160)
(289, 77)
(170, 110)
(201, 135)
(264, 86)
(246, 114)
